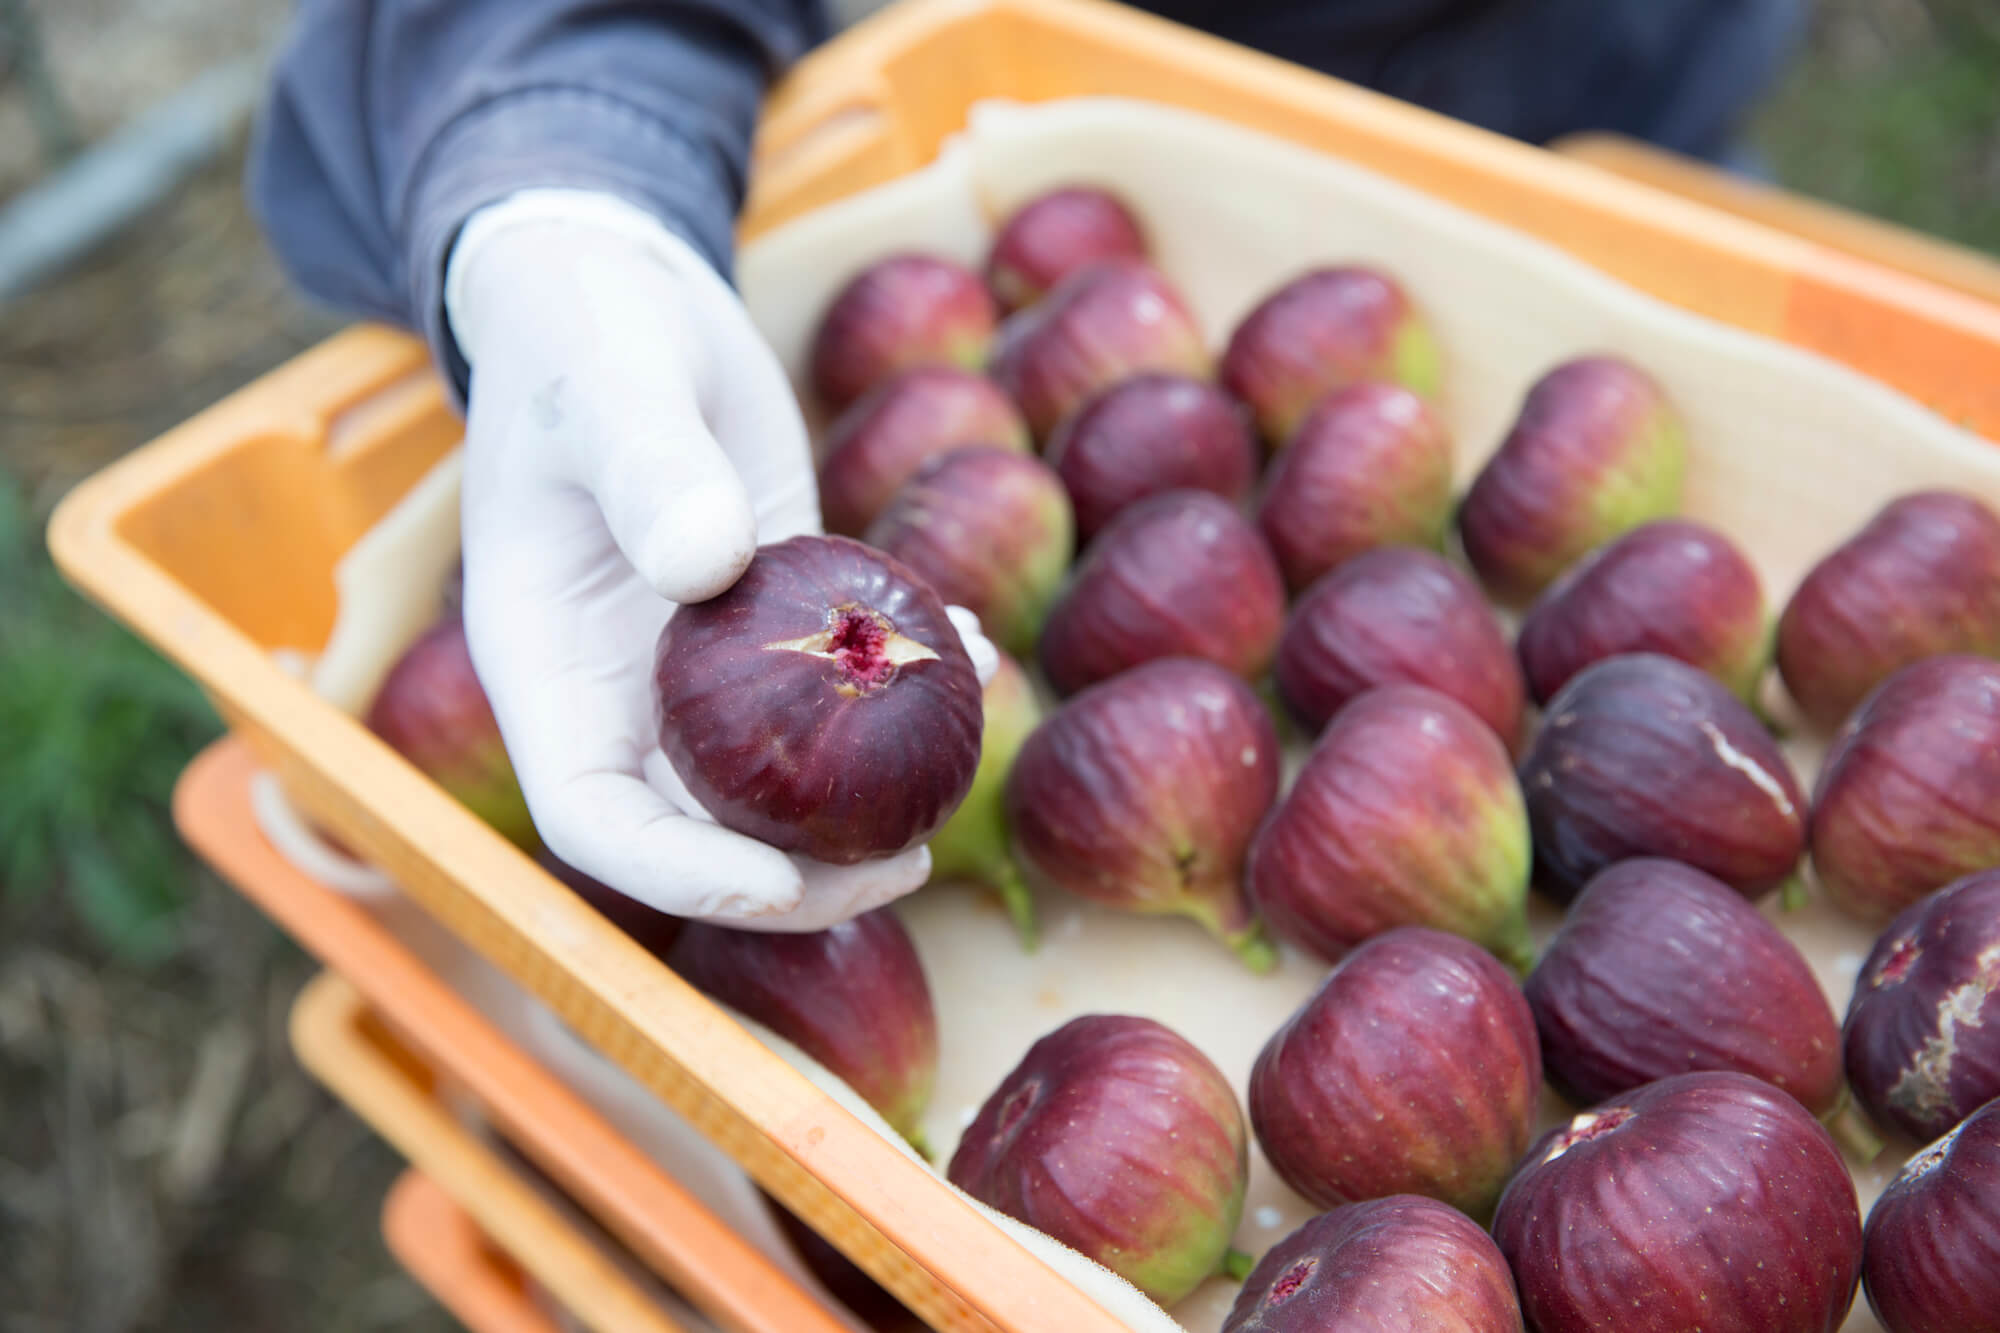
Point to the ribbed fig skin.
(1152, 433)
(887, 436)
(1120, 1139)
(902, 311)
(1641, 755)
(1397, 615)
(1384, 1266)
(1413, 1069)
(1922, 1037)
(1323, 331)
(1182, 574)
(1909, 796)
(1596, 451)
(785, 722)
(653, 930)
(1931, 1250)
(1055, 234)
(1658, 970)
(1673, 587)
(974, 843)
(1370, 466)
(1922, 579)
(1707, 1201)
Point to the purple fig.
(654, 931)
(1321, 332)
(1413, 1069)
(1641, 755)
(1370, 467)
(823, 704)
(1406, 813)
(1931, 1251)
(1182, 574)
(1705, 1201)
(893, 430)
(1118, 1138)
(1151, 433)
(903, 311)
(1055, 234)
(1673, 587)
(1596, 451)
(1909, 796)
(870, 1302)
(974, 843)
(1922, 579)
(1143, 793)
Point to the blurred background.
(163, 1163)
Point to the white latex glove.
(630, 441)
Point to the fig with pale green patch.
(974, 844)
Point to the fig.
(1323, 331)
(1154, 432)
(990, 531)
(889, 433)
(1381, 1266)
(1922, 579)
(1371, 466)
(1143, 793)
(1909, 797)
(1405, 813)
(1708, 1201)
(1413, 1069)
(1643, 755)
(1673, 587)
(1055, 234)
(1105, 322)
(823, 704)
(974, 844)
(1659, 969)
(1182, 574)
(1922, 1037)
(1398, 614)
(1930, 1254)
(869, 1300)
(906, 310)
(654, 931)
(1118, 1138)
(1596, 451)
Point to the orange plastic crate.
(440, 1246)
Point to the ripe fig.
(1673, 587)
(1398, 614)
(1922, 579)
(894, 429)
(1596, 451)
(1931, 1251)
(1413, 1069)
(1182, 574)
(974, 843)
(903, 311)
(1321, 332)
(1143, 793)
(1151, 433)
(1642, 755)
(1370, 467)
(1055, 234)
(1922, 1037)
(1909, 796)
(990, 531)
(1705, 1201)
(1118, 1138)
(823, 704)
(1659, 969)
(654, 931)
(1406, 813)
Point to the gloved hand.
(630, 441)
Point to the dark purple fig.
(1151, 433)
(1413, 1069)
(1116, 1137)
(893, 430)
(1398, 614)
(974, 843)
(1370, 467)
(1143, 793)
(1909, 796)
(1182, 574)
(1931, 1251)
(903, 311)
(823, 704)
(1321, 332)
(1055, 234)
(1596, 451)
(990, 531)
(1673, 587)
(1659, 969)
(1384, 1266)
(1641, 755)
(654, 931)
(1707, 1201)
(1406, 813)
(1922, 1037)
(1922, 579)
(870, 1302)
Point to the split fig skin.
(1055, 234)
(1931, 1249)
(974, 844)
(887, 436)
(900, 312)
(1152, 433)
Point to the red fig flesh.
(1055, 234)
(1931, 1250)
(903, 311)
(1148, 434)
(882, 441)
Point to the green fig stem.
(917, 1139)
(1793, 895)
(1516, 947)
(1236, 1265)
(1019, 900)
(1851, 1130)
(1254, 947)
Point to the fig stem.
(917, 1139)
(1236, 1265)
(1254, 947)
(1851, 1130)
(1515, 947)
(1793, 896)
(1019, 900)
